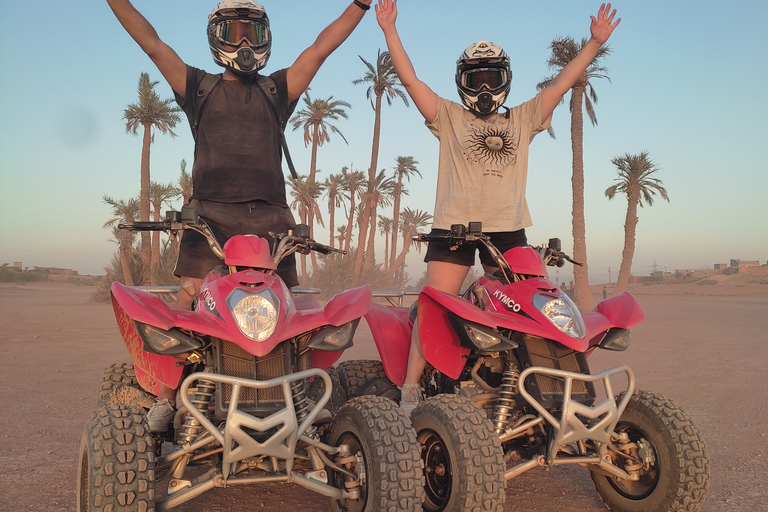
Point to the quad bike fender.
(342, 308)
(391, 331)
(152, 370)
(440, 344)
(622, 311)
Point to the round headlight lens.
(562, 312)
(256, 316)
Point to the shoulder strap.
(205, 87)
(268, 87)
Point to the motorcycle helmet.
(233, 22)
(483, 77)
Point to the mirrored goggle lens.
(491, 78)
(234, 32)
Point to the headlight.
(255, 313)
(562, 312)
(335, 338)
(479, 336)
(160, 341)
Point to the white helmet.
(230, 23)
(483, 76)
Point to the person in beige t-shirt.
(483, 162)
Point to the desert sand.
(706, 347)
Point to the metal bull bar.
(569, 428)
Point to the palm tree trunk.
(311, 220)
(367, 217)
(332, 215)
(313, 158)
(155, 248)
(127, 277)
(400, 261)
(350, 222)
(361, 233)
(584, 299)
(370, 253)
(630, 229)
(146, 255)
(395, 220)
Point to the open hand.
(386, 13)
(602, 26)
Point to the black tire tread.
(355, 374)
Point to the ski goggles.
(491, 78)
(234, 32)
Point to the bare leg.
(187, 293)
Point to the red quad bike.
(508, 389)
(258, 400)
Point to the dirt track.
(707, 352)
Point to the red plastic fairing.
(248, 251)
(342, 308)
(621, 311)
(151, 369)
(392, 335)
(526, 260)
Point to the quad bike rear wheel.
(463, 459)
(120, 386)
(116, 470)
(383, 454)
(675, 472)
(362, 377)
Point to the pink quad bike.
(258, 398)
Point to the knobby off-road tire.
(367, 378)
(377, 430)
(338, 393)
(463, 459)
(680, 478)
(116, 471)
(119, 386)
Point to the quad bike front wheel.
(383, 459)
(116, 470)
(667, 450)
(120, 386)
(463, 459)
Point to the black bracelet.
(361, 5)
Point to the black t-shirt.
(237, 153)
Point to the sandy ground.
(704, 346)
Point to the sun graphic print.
(490, 148)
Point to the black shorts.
(226, 220)
(464, 254)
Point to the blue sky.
(688, 84)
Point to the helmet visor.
(491, 78)
(234, 32)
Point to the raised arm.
(301, 73)
(423, 97)
(167, 61)
(600, 29)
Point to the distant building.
(57, 271)
(17, 264)
(721, 266)
(744, 264)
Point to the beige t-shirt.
(483, 165)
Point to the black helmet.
(230, 23)
(484, 77)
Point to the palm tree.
(123, 211)
(354, 184)
(637, 182)
(383, 81)
(406, 166)
(305, 194)
(564, 50)
(385, 228)
(341, 235)
(158, 195)
(378, 194)
(150, 112)
(185, 183)
(410, 222)
(314, 119)
(334, 186)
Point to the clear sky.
(688, 84)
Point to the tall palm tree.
(159, 195)
(564, 50)
(149, 113)
(354, 185)
(385, 228)
(185, 183)
(123, 211)
(382, 81)
(314, 119)
(334, 186)
(410, 222)
(341, 235)
(378, 194)
(406, 166)
(637, 182)
(305, 194)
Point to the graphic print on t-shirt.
(490, 147)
